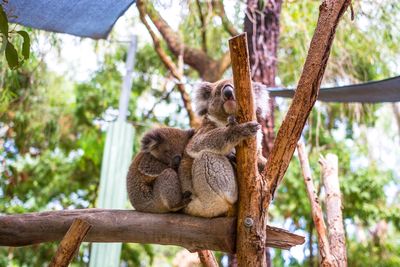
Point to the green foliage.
(12, 57)
(354, 57)
(369, 254)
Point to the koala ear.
(201, 97)
(151, 140)
(261, 95)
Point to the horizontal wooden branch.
(131, 226)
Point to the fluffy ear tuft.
(201, 97)
(261, 95)
(151, 140)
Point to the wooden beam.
(130, 226)
(250, 241)
(70, 243)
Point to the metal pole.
(127, 83)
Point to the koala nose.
(228, 92)
(175, 161)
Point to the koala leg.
(214, 186)
(167, 192)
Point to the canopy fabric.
(387, 90)
(86, 18)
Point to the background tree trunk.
(262, 26)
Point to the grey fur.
(152, 182)
(205, 168)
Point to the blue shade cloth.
(86, 18)
(371, 92)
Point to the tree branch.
(203, 27)
(170, 65)
(193, 233)
(208, 68)
(316, 211)
(337, 239)
(70, 243)
(305, 95)
(207, 258)
(219, 9)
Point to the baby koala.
(152, 181)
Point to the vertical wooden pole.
(251, 223)
(70, 243)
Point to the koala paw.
(232, 121)
(249, 128)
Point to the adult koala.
(205, 169)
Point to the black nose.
(175, 161)
(228, 92)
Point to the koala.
(152, 181)
(205, 169)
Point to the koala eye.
(228, 86)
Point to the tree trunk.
(262, 27)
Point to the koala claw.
(232, 121)
(250, 128)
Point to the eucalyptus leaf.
(11, 56)
(3, 22)
(3, 46)
(26, 44)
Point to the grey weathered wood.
(130, 226)
(337, 239)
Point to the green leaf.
(11, 56)
(3, 45)
(3, 22)
(26, 44)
